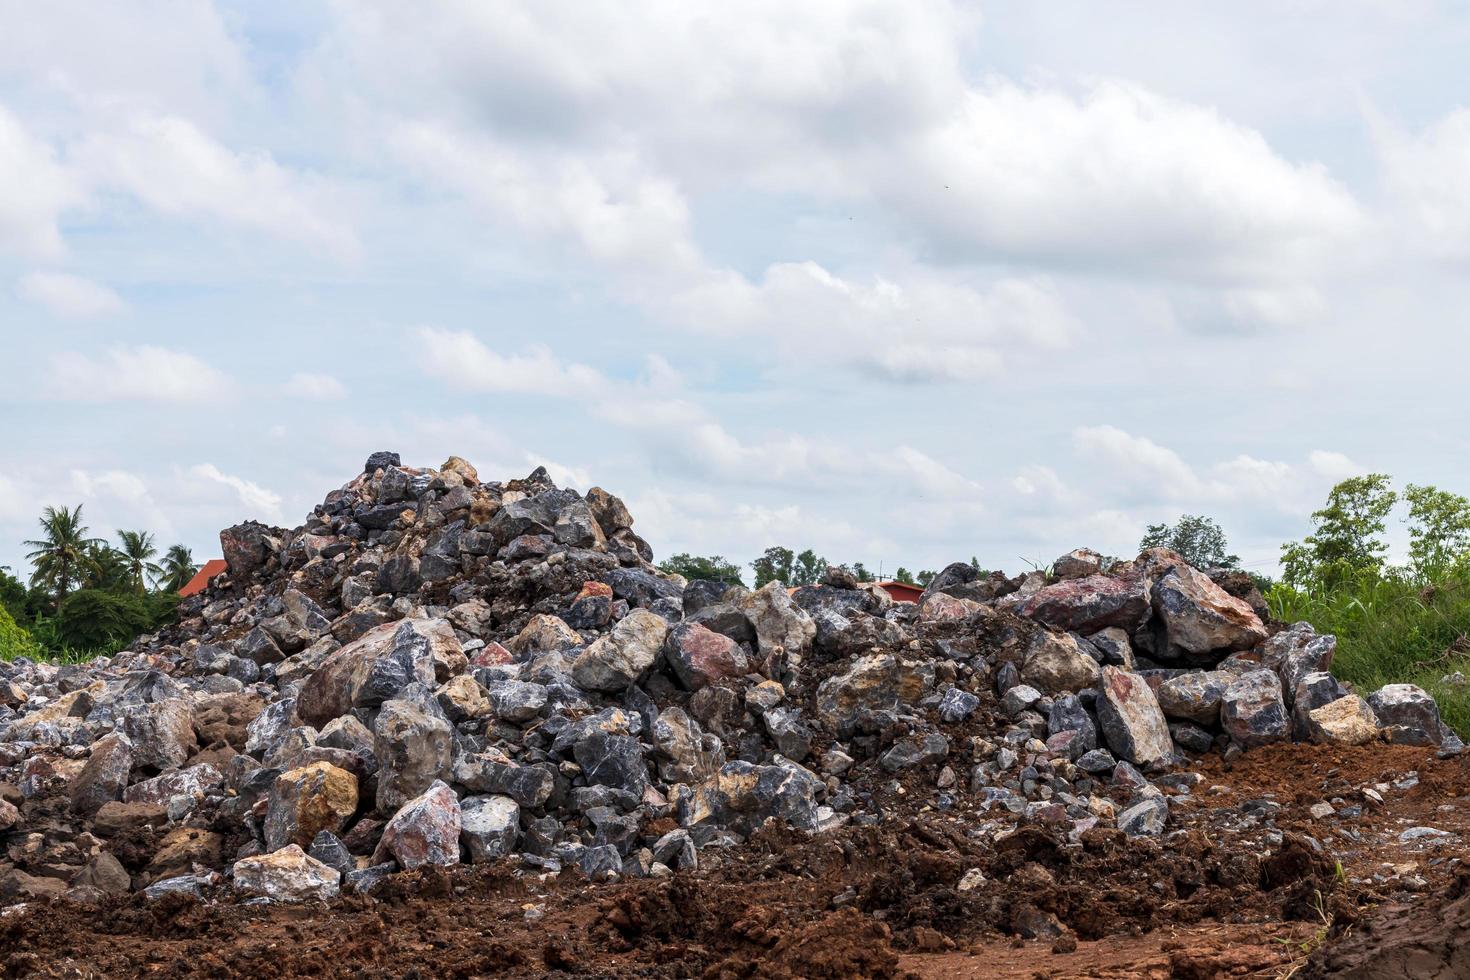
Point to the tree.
(773, 566)
(903, 575)
(12, 594)
(64, 554)
(107, 569)
(176, 569)
(809, 569)
(139, 552)
(1439, 528)
(1197, 539)
(1345, 537)
(925, 576)
(714, 568)
(860, 572)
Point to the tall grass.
(1393, 628)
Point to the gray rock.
(490, 826)
(376, 666)
(915, 750)
(1196, 616)
(1089, 604)
(1194, 696)
(1253, 711)
(1068, 715)
(413, 750)
(328, 848)
(1296, 652)
(791, 735)
(1146, 818)
(105, 775)
(1018, 698)
(1408, 714)
(516, 701)
(621, 658)
(424, 831)
(1312, 691)
(1131, 721)
(1097, 761)
(957, 705)
(613, 760)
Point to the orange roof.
(901, 591)
(201, 578)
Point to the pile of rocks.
(436, 670)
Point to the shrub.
(15, 641)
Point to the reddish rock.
(699, 656)
(1089, 604)
(425, 831)
(1129, 715)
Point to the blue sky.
(903, 282)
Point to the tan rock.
(1346, 721)
(306, 801)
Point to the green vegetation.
(714, 568)
(1199, 540)
(86, 598)
(1395, 624)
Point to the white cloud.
(1425, 173)
(136, 374)
(70, 296)
(34, 191)
(261, 501)
(460, 358)
(176, 168)
(314, 387)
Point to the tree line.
(87, 595)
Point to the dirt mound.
(1427, 940)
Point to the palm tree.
(137, 550)
(63, 555)
(176, 569)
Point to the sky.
(905, 282)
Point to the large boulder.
(105, 775)
(1131, 721)
(376, 666)
(698, 656)
(1253, 710)
(1195, 616)
(1195, 695)
(413, 749)
(612, 760)
(1408, 714)
(425, 830)
(247, 547)
(1346, 721)
(783, 631)
(618, 660)
(287, 875)
(1056, 664)
(876, 682)
(162, 733)
(1296, 652)
(306, 801)
(1089, 604)
(490, 826)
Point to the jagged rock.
(1089, 604)
(1196, 616)
(1131, 722)
(1018, 698)
(287, 875)
(787, 729)
(413, 749)
(938, 607)
(1078, 563)
(873, 683)
(462, 698)
(516, 701)
(162, 733)
(1144, 819)
(1312, 691)
(105, 775)
(1253, 711)
(1114, 645)
(916, 750)
(490, 826)
(103, 876)
(1408, 714)
(698, 656)
(783, 631)
(424, 831)
(1296, 652)
(1056, 664)
(246, 547)
(621, 658)
(957, 705)
(543, 634)
(685, 754)
(1068, 715)
(1195, 695)
(1346, 721)
(317, 797)
(328, 848)
(375, 667)
(612, 760)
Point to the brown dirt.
(1211, 900)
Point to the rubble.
(436, 669)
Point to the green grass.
(1393, 629)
